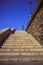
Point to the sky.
(15, 13)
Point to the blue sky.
(15, 13)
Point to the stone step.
(14, 43)
(20, 43)
(21, 58)
(22, 50)
(22, 38)
(19, 48)
(22, 46)
(21, 53)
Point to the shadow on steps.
(1, 42)
(21, 63)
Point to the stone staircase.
(21, 47)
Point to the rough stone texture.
(21, 47)
(36, 26)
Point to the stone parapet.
(4, 34)
(12, 30)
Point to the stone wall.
(12, 30)
(4, 34)
(36, 25)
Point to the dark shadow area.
(1, 42)
(13, 31)
(21, 63)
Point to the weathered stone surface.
(21, 63)
(21, 47)
(36, 25)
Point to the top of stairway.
(20, 33)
